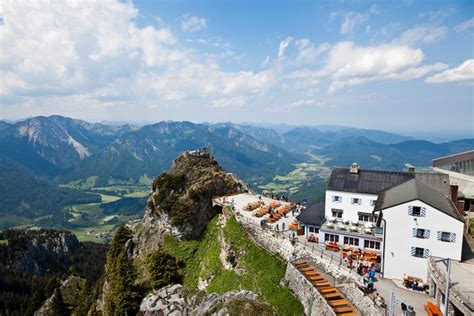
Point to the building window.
(336, 198)
(421, 233)
(331, 237)
(336, 213)
(447, 237)
(356, 201)
(416, 211)
(372, 244)
(365, 217)
(311, 229)
(420, 252)
(373, 202)
(351, 241)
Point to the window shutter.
(427, 234)
(426, 253)
(452, 237)
(413, 251)
(438, 235)
(410, 210)
(360, 201)
(423, 212)
(414, 232)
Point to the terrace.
(359, 229)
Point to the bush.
(163, 269)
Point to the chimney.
(460, 206)
(454, 193)
(354, 168)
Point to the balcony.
(360, 229)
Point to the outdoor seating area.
(334, 298)
(293, 225)
(362, 228)
(413, 283)
(262, 210)
(278, 213)
(331, 245)
(252, 206)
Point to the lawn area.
(261, 274)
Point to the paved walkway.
(409, 297)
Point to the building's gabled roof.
(365, 181)
(313, 214)
(415, 189)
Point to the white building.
(418, 221)
(351, 194)
(405, 216)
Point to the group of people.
(413, 283)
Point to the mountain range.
(66, 149)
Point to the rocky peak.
(181, 199)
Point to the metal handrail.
(454, 291)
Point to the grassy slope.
(262, 275)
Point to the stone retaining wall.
(363, 303)
(313, 302)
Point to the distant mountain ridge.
(67, 149)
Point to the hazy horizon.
(401, 67)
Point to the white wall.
(350, 210)
(399, 239)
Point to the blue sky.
(404, 66)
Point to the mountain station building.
(405, 217)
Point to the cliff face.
(181, 200)
(37, 251)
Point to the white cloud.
(462, 73)
(351, 20)
(421, 34)
(437, 14)
(191, 23)
(304, 103)
(230, 102)
(464, 26)
(350, 65)
(307, 52)
(283, 46)
(96, 50)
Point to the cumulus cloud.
(464, 26)
(462, 73)
(350, 65)
(98, 51)
(191, 23)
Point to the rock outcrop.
(181, 200)
(66, 296)
(42, 250)
(172, 300)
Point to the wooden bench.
(300, 261)
(432, 309)
(347, 314)
(310, 273)
(337, 303)
(345, 309)
(307, 268)
(321, 284)
(327, 290)
(316, 278)
(332, 295)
